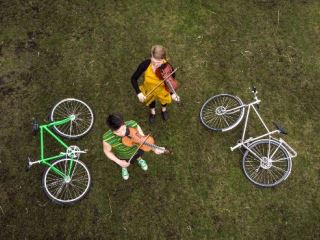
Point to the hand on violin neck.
(159, 151)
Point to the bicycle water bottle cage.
(35, 126)
(281, 129)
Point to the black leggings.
(153, 104)
(136, 156)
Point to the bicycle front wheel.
(222, 112)
(266, 163)
(69, 188)
(81, 118)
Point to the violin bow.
(162, 82)
(139, 147)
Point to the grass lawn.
(50, 50)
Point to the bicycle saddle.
(280, 128)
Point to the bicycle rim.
(212, 114)
(78, 127)
(64, 190)
(273, 167)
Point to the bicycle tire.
(266, 172)
(77, 127)
(51, 181)
(212, 114)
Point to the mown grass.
(89, 49)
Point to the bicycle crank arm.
(81, 151)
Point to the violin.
(165, 72)
(145, 143)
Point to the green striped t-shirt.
(118, 148)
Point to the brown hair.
(158, 52)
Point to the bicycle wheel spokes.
(68, 188)
(217, 114)
(81, 117)
(265, 171)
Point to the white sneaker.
(125, 174)
(142, 163)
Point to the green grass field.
(50, 50)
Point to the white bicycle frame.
(245, 142)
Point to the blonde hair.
(158, 52)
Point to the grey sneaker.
(125, 174)
(142, 163)
(165, 115)
(152, 118)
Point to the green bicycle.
(67, 179)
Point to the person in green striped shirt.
(116, 151)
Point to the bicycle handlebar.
(254, 89)
(255, 93)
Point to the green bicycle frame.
(45, 160)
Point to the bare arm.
(140, 130)
(107, 151)
(140, 70)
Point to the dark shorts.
(136, 156)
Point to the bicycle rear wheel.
(82, 120)
(266, 163)
(66, 190)
(217, 114)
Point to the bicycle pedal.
(28, 165)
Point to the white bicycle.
(267, 161)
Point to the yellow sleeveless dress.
(150, 82)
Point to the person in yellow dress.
(150, 83)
